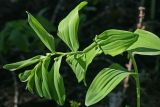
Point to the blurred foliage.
(74, 103)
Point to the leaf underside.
(147, 43)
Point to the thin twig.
(140, 24)
(16, 93)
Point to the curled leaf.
(58, 82)
(114, 42)
(68, 28)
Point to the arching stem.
(136, 78)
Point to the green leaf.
(30, 83)
(44, 83)
(58, 82)
(21, 64)
(45, 79)
(114, 42)
(91, 52)
(68, 28)
(118, 67)
(147, 43)
(104, 83)
(38, 79)
(80, 62)
(44, 36)
(51, 84)
(24, 77)
(30, 76)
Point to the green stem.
(64, 54)
(136, 78)
(69, 53)
(72, 53)
(90, 47)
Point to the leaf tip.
(87, 103)
(82, 4)
(85, 2)
(27, 12)
(6, 67)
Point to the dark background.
(18, 42)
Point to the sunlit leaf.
(21, 64)
(78, 65)
(91, 52)
(80, 62)
(104, 83)
(147, 43)
(45, 79)
(68, 28)
(114, 42)
(44, 36)
(58, 82)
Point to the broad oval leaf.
(44, 36)
(147, 43)
(68, 28)
(21, 64)
(104, 83)
(114, 42)
(80, 62)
